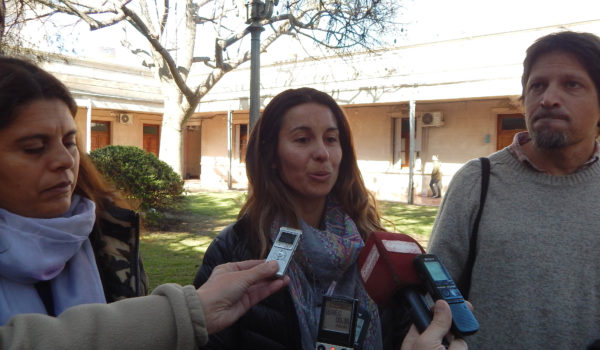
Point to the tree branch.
(165, 16)
(224, 44)
(94, 24)
(143, 29)
(216, 75)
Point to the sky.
(424, 21)
(432, 20)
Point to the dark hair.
(585, 47)
(268, 196)
(23, 82)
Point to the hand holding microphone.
(431, 338)
(387, 268)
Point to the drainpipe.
(88, 126)
(229, 145)
(411, 157)
(255, 29)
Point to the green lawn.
(174, 255)
(415, 220)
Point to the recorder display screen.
(337, 316)
(436, 271)
(287, 237)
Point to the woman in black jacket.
(302, 173)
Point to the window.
(240, 141)
(508, 126)
(510, 123)
(400, 141)
(151, 139)
(100, 134)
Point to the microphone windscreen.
(386, 264)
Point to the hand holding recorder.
(439, 285)
(233, 288)
(431, 338)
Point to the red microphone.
(387, 271)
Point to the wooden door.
(406, 142)
(100, 134)
(243, 142)
(151, 139)
(508, 126)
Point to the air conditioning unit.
(432, 119)
(125, 118)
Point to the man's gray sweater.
(536, 278)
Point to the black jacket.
(272, 324)
(269, 325)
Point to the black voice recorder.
(338, 324)
(439, 285)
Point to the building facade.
(464, 95)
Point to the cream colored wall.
(372, 133)
(215, 162)
(80, 124)
(463, 135)
(461, 138)
(127, 134)
(371, 130)
(120, 134)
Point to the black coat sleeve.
(218, 253)
(269, 325)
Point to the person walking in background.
(436, 178)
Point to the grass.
(175, 253)
(415, 220)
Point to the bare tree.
(2, 19)
(14, 39)
(171, 29)
(11, 17)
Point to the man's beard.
(544, 136)
(548, 139)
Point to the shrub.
(140, 175)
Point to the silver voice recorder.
(283, 248)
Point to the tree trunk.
(171, 142)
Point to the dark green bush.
(140, 175)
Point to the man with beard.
(535, 277)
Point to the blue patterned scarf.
(56, 250)
(327, 258)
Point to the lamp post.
(256, 11)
